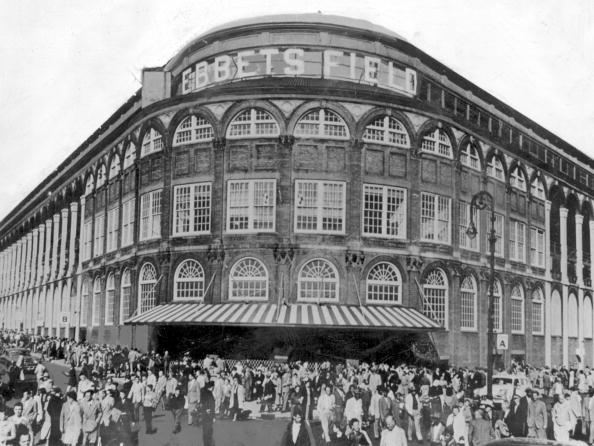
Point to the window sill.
(468, 330)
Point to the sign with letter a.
(502, 342)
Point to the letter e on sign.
(502, 342)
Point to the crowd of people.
(113, 390)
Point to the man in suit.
(537, 415)
(298, 432)
(518, 413)
(193, 396)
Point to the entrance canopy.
(287, 315)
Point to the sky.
(67, 65)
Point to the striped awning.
(288, 315)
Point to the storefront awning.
(288, 315)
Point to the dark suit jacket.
(302, 437)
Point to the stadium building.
(308, 177)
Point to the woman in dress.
(7, 429)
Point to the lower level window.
(318, 281)
(248, 280)
(383, 284)
(147, 285)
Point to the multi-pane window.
(318, 281)
(96, 317)
(113, 223)
(114, 168)
(435, 218)
(517, 310)
(150, 215)
(537, 189)
(384, 211)
(469, 157)
(383, 284)
(517, 241)
(84, 301)
(192, 209)
(321, 123)
(387, 130)
(125, 294)
(248, 279)
(517, 180)
(499, 227)
(537, 312)
(587, 317)
(90, 186)
(572, 316)
(495, 169)
(556, 314)
(463, 224)
(87, 240)
(128, 212)
(537, 247)
(468, 303)
(129, 156)
(435, 304)
(151, 143)
(192, 129)
(438, 143)
(189, 281)
(320, 206)
(253, 123)
(147, 288)
(251, 205)
(99, 234)
(109, 300)
(497, 307)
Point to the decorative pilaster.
(54, 264)
(63, 253)
(71, 251)
(28, 255)
(565, 298)
(579, 264)
(40, 254)
(48, 250)
(563, 241)
(33, 279)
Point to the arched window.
(192, 129)
(84, 302)
(517, 310)
(101, 176)
(469, 157)
(438, 143)
(189, 281)
(572, 316)
(151, 143)
(468, 303)
(537, 312)
(147, 284)
(109, 300)
(587, 317)
(556, 314)
(253, 123)
(537, 189)
(321, 123)
(384, 284)
(114, 167)
(318, 281)
(125, 294)
(495, 169)
(248, 280)
(129, 156)
(90, 186)
(497, 307)
(436, 293)
(387, 130)
(517, 180)
(96, 316)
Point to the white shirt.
(295, 431)
(394, 437)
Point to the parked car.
(23, 358)
(503, 387)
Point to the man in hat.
(298, 432)
(91, 414)
(537, 415)
(518, 413)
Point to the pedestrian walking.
(91, 415)
(71, 420)
(176, 405)
(149, 403)
(208, 414)
(298, 432)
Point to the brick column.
(565, 300)
(48, 248)
(19, 265)
(54, 263)
(579, 265)
(563, 242)
(580, 302)
(73, 223)
(27, 269)
(83, 236)
(34, 256)
(63, 252)
(40, 255)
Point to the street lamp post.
(480, 201)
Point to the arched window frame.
(497, 307)
(125, 295)
(96, 308)
(518, 315)
(151, 143)
(253, 123)
(537, 312)
(101, 176)
(436, 302)
(114, 167)
(387, 130)
(129, 156)
(189, 281)
(248, 287)
(84, 303)
(495, 168)
(469, 157)
(384, 284)
(321, 123)
(317, 288)
(556, 314)
(437, 142)
(587, 316)
(90, 186)
(517, 179)
(110, 300)
(468, 304)
(537, 189)
(192, 129)
(572, 316)
(147, 288)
